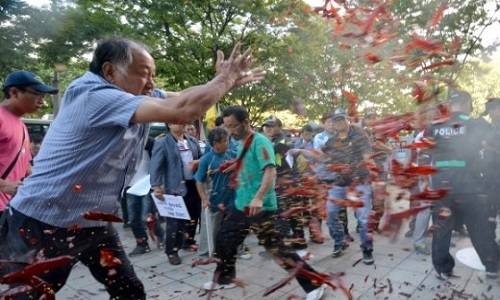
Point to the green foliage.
(304, 61)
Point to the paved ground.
(398, 273)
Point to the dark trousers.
(23, 238)
(476, 212)
(175, 235)
(234, 231)
(138, 208)
(193, 205)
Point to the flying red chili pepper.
(100, 216)
(205, 261)
(429, 194)
(438, 15)
(36, 269)
(107, 259)
(446, 62)
(348, 203)
(372, 57)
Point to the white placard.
(141, 187)
(469, 257)
(172, 207)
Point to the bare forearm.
(185, 106)
(201, 190)
(267, 182)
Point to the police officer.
(457, 157)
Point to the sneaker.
(316, 294)
(491, 275)
(409, 234)
(444, 276)
(368, 257)
(174, 259)
(422, 249)
(246, 255)
(140, 249)
(212, 286)
(337, 252)
(160, 245)
(303, 253)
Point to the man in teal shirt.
(255, 206)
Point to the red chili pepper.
(205, 261)
(348, 203)
(292, 211)
(443, 115)
(368, 26)
(422, 144)
(446, 62)
(107, 259)
(36, 269)
(438, 15)
(351, 97)
(428, 46)
(100, 216)
(420, 170)
(151, 225)
(372, 57)
(291, 275)
(77, 188)
(428, 194)
(408, 213)
(340, 168)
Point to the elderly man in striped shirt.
(89, 154)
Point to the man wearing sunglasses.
(24, 94)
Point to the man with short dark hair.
(24, 94)
(89, 155)
(255, 206)
(349, 147)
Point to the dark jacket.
(166, 167)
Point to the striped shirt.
(89, 154)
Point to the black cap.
(339, 114)
(27, 79)
(456, 96)
(492, 103)
(272, 121)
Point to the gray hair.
(117, 51)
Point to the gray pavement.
(398, 273)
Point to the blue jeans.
(335, 225)
(138, 207)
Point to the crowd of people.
(242, 180)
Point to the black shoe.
(174, 259)
(409, 234)
(339, 250)
(368, 257)
(140, 249)
(445, 276)
(491, 274)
